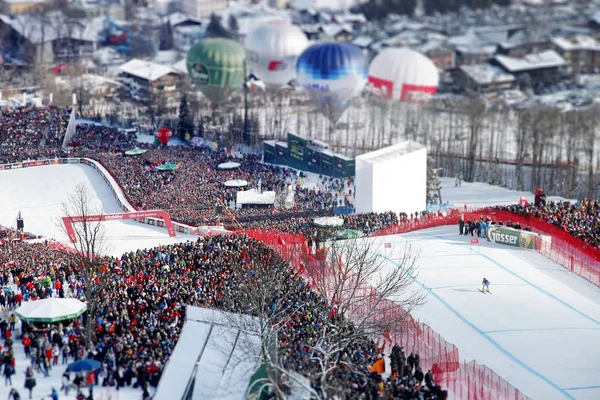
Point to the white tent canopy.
(229, 165)
(236, 183)
(329, 221)
(253, 197)
(51, 310)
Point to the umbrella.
(236, 183)
(349, 234)
(167, 167)
(229, 165)
(329, 221)
(51, 310)
(134, 152)
(84, 365)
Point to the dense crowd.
(580, 219)
(137, 325)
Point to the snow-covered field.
(539, 329)
(40, 192)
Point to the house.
(363, 42)
(186, 30)
(339, 33)
(49, 39)
(474, 54)
(525, 41)
(14, 7)
(483, 78)
(312, 32)
(541, 68)
(581, 52)
(143, 79)
(442, 55)
(356, 21)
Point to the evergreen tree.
(186, 124)
(434, 186)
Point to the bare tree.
(90, 247)
(366, 299)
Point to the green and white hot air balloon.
(217, 67)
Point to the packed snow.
(39, 193)
(537, 330)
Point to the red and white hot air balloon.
(273, 49)
(403, 74)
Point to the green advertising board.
(297, 157)
(326, 159)
(281, 153)
(350, 168)
(269, 152)
(313, 161)
(510, 237)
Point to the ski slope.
(40, 192)
(540, 327)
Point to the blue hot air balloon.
(332, 74)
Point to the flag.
(71, 129)
(523, 201)
(474, 241)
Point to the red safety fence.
(463, 381)
(566, 250)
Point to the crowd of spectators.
(580, 219)
(137, 326)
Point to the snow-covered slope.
(39, 194)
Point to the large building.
(392, 179)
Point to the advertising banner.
(297, 151)
(269, 153)
(73, 160)
(510, 237)
(1, 167)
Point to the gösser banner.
(510, 237)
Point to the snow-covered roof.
(178, 18)
(165, 57)
(577, 42)
(484, 74)
(489, 50)
(180, 66)
(332, 30)
(217, 351)
(350, 18)
(387, 153)
(318, 4)
(545, 59)
(362, 41)
(147, 70)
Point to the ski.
(481, 290)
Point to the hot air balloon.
(333, 74)
(403, 74)
(164, 135)
(273, 50)
(217, 67)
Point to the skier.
(485, 285)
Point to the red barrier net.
(566, 250)
(463, 381)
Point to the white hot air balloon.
(403, 74)
(273, 49)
